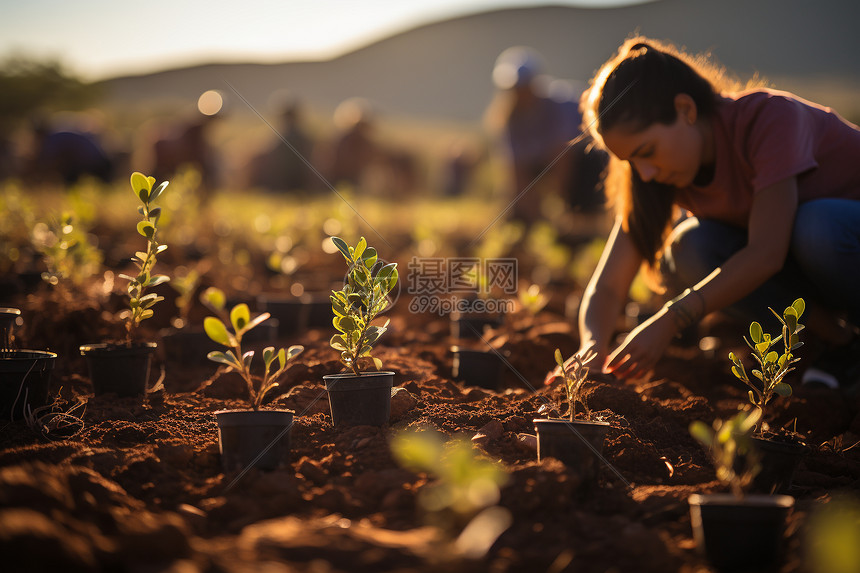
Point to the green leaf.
(559, 359)
(799, 306)
(359, 249)
(216, 330)
(213, 298)
(762, 347)
(282, 358)
(268, 355)
(158, 191)
(240, 315)
(338, 307)
(790, 320)
(377, 362)
(782, 389)
(345, 323)
(342, 247)
(751, 396)
(758, 374)
(369, 257)
(140, 181)
(157, 280)
(256, 320)
(145, 314)
(755, 332)
(771, 357)
(294, 351)
(338, 342)
(146, 229)
(365, 350)
(247, 358)
(739, 373)
(150, 302)
(227, 358)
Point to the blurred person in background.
(66, 154)
(281, 166)
(529, 129)
(353, 148)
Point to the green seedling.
(462, 501)
(773, 366)
(186, 285)
(575, 374)
(140, 302)
(67, 250)
(234, 358)
(728, 441)
(532, 299)
(362, 299)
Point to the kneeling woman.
(742, 199)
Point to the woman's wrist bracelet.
(683, 316)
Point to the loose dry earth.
(140, 488)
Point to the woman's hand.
(643, 347)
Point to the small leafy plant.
(726, 440)
(140, 302)
(773, 366)
(575, 375)
(532, 299)
(462, 501)
(237, 360)
(362, 299)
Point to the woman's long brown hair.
(635, 89)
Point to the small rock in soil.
(401, 402)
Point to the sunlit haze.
(103, 38)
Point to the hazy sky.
(101, 38)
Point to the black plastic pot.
(319, 311)
(473, 325)
(187, 346)
(249, 438)
(778, 461)
(290, 312)
(576, 444)
(25, 376)
(743, 535)
(119, 369)
(363, 400)
(296, 314)
(477, 367)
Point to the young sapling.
(237, 360)
(725, 441)
(140, 302)
(359, 302)
(575, 374)
(773, 366)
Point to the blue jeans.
(823, 264)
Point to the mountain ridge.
(441, 70)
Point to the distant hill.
(442, 70)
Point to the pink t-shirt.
(765, 136)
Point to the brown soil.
(140, 488)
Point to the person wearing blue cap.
(530, 128)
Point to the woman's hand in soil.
(642, 348)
